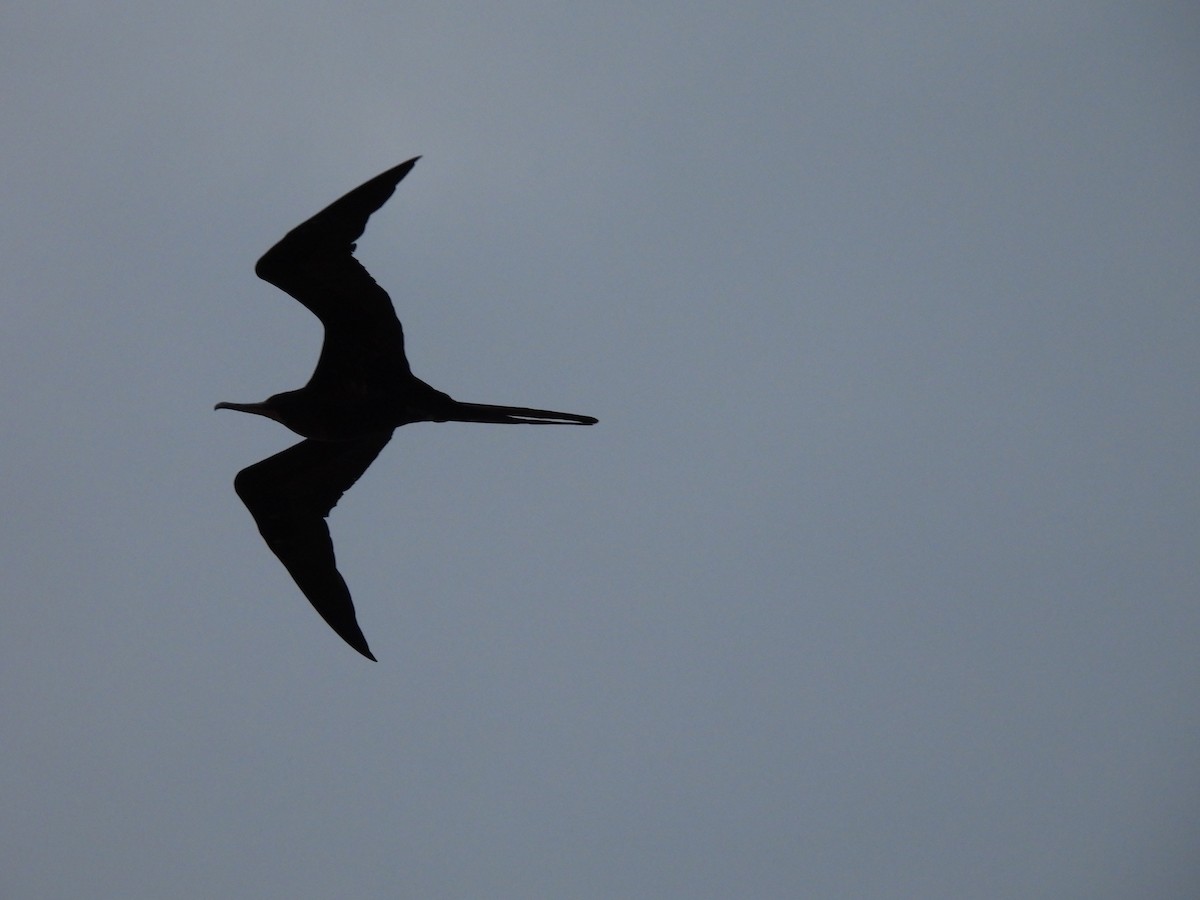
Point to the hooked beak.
(258, 409)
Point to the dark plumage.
(360, 392)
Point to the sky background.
(877, 579)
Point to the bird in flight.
(360, 392)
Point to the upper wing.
(314, 262)
(289, 495)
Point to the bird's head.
(311, 416)
(259, 409)
(280, 407)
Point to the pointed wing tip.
(404, 168)
(352, 635)
(334, 228)
(346, 627)
(347, 630)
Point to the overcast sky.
(877, 579)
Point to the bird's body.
(361, 391)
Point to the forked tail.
(515, 415)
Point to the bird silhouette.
(361, 391)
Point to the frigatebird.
(360, 392)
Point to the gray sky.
(878, 578)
